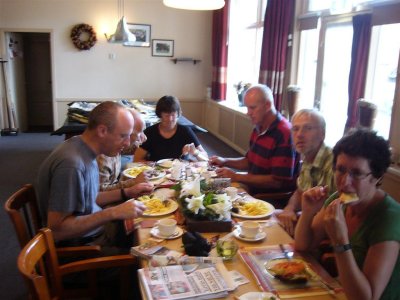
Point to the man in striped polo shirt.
(271, 162)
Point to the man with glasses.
(68, 184)
(308, 131)
(271, 161)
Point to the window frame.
(382, 13)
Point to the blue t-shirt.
(68, 181)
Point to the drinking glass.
(227, 248)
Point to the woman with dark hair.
(168, 139)
(364, 233)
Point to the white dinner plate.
(158, 175)
(169, 176)
(242, 214)
(156, 233)
(133, 172)
(165, 163)
(258, 296)
(238, 234)
(172, 207)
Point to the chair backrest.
(22, 207)
(37, 263)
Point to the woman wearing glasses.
(365, 234)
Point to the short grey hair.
(311, 112)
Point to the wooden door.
(38, 81)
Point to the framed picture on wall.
(162, 48)
(142, 33)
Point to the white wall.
(134, 73)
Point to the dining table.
(275, 236)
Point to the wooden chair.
(38, 264)
(22, 207)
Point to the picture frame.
(142, 33)
(162, 48)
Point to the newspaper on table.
(150, 248)
(185, 277)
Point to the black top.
(159, 147)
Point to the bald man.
(68, 184)
(271, 161)
(110, 167)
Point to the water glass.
(226, 248)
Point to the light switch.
(112, 55)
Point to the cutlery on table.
(288, 254)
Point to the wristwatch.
(341, 248)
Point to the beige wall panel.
(211, 117)
(243, 130)
(227, 124)
(391, 182)
(193, 110)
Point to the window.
(382, 73)
(245, 38)
(324, 57)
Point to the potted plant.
(205, 209)
(241, 87)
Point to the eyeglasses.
(353, 174)
(305, 128)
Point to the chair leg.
(125, 283)
(92, 281)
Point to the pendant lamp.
(122, 34)
(195, 4)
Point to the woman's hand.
(313, 199)
(189, 149)
(335, 223)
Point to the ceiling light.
(122, 34)
(195, 4)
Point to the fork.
(288, 254)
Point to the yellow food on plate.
(348, 197)
(135, 171)
(155, 205)
(254, 208)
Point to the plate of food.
(154, 174)
(157, 207)
(293, 270)
(135, 171)
(251, 208)
(165, 163)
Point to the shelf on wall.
(185, 59)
